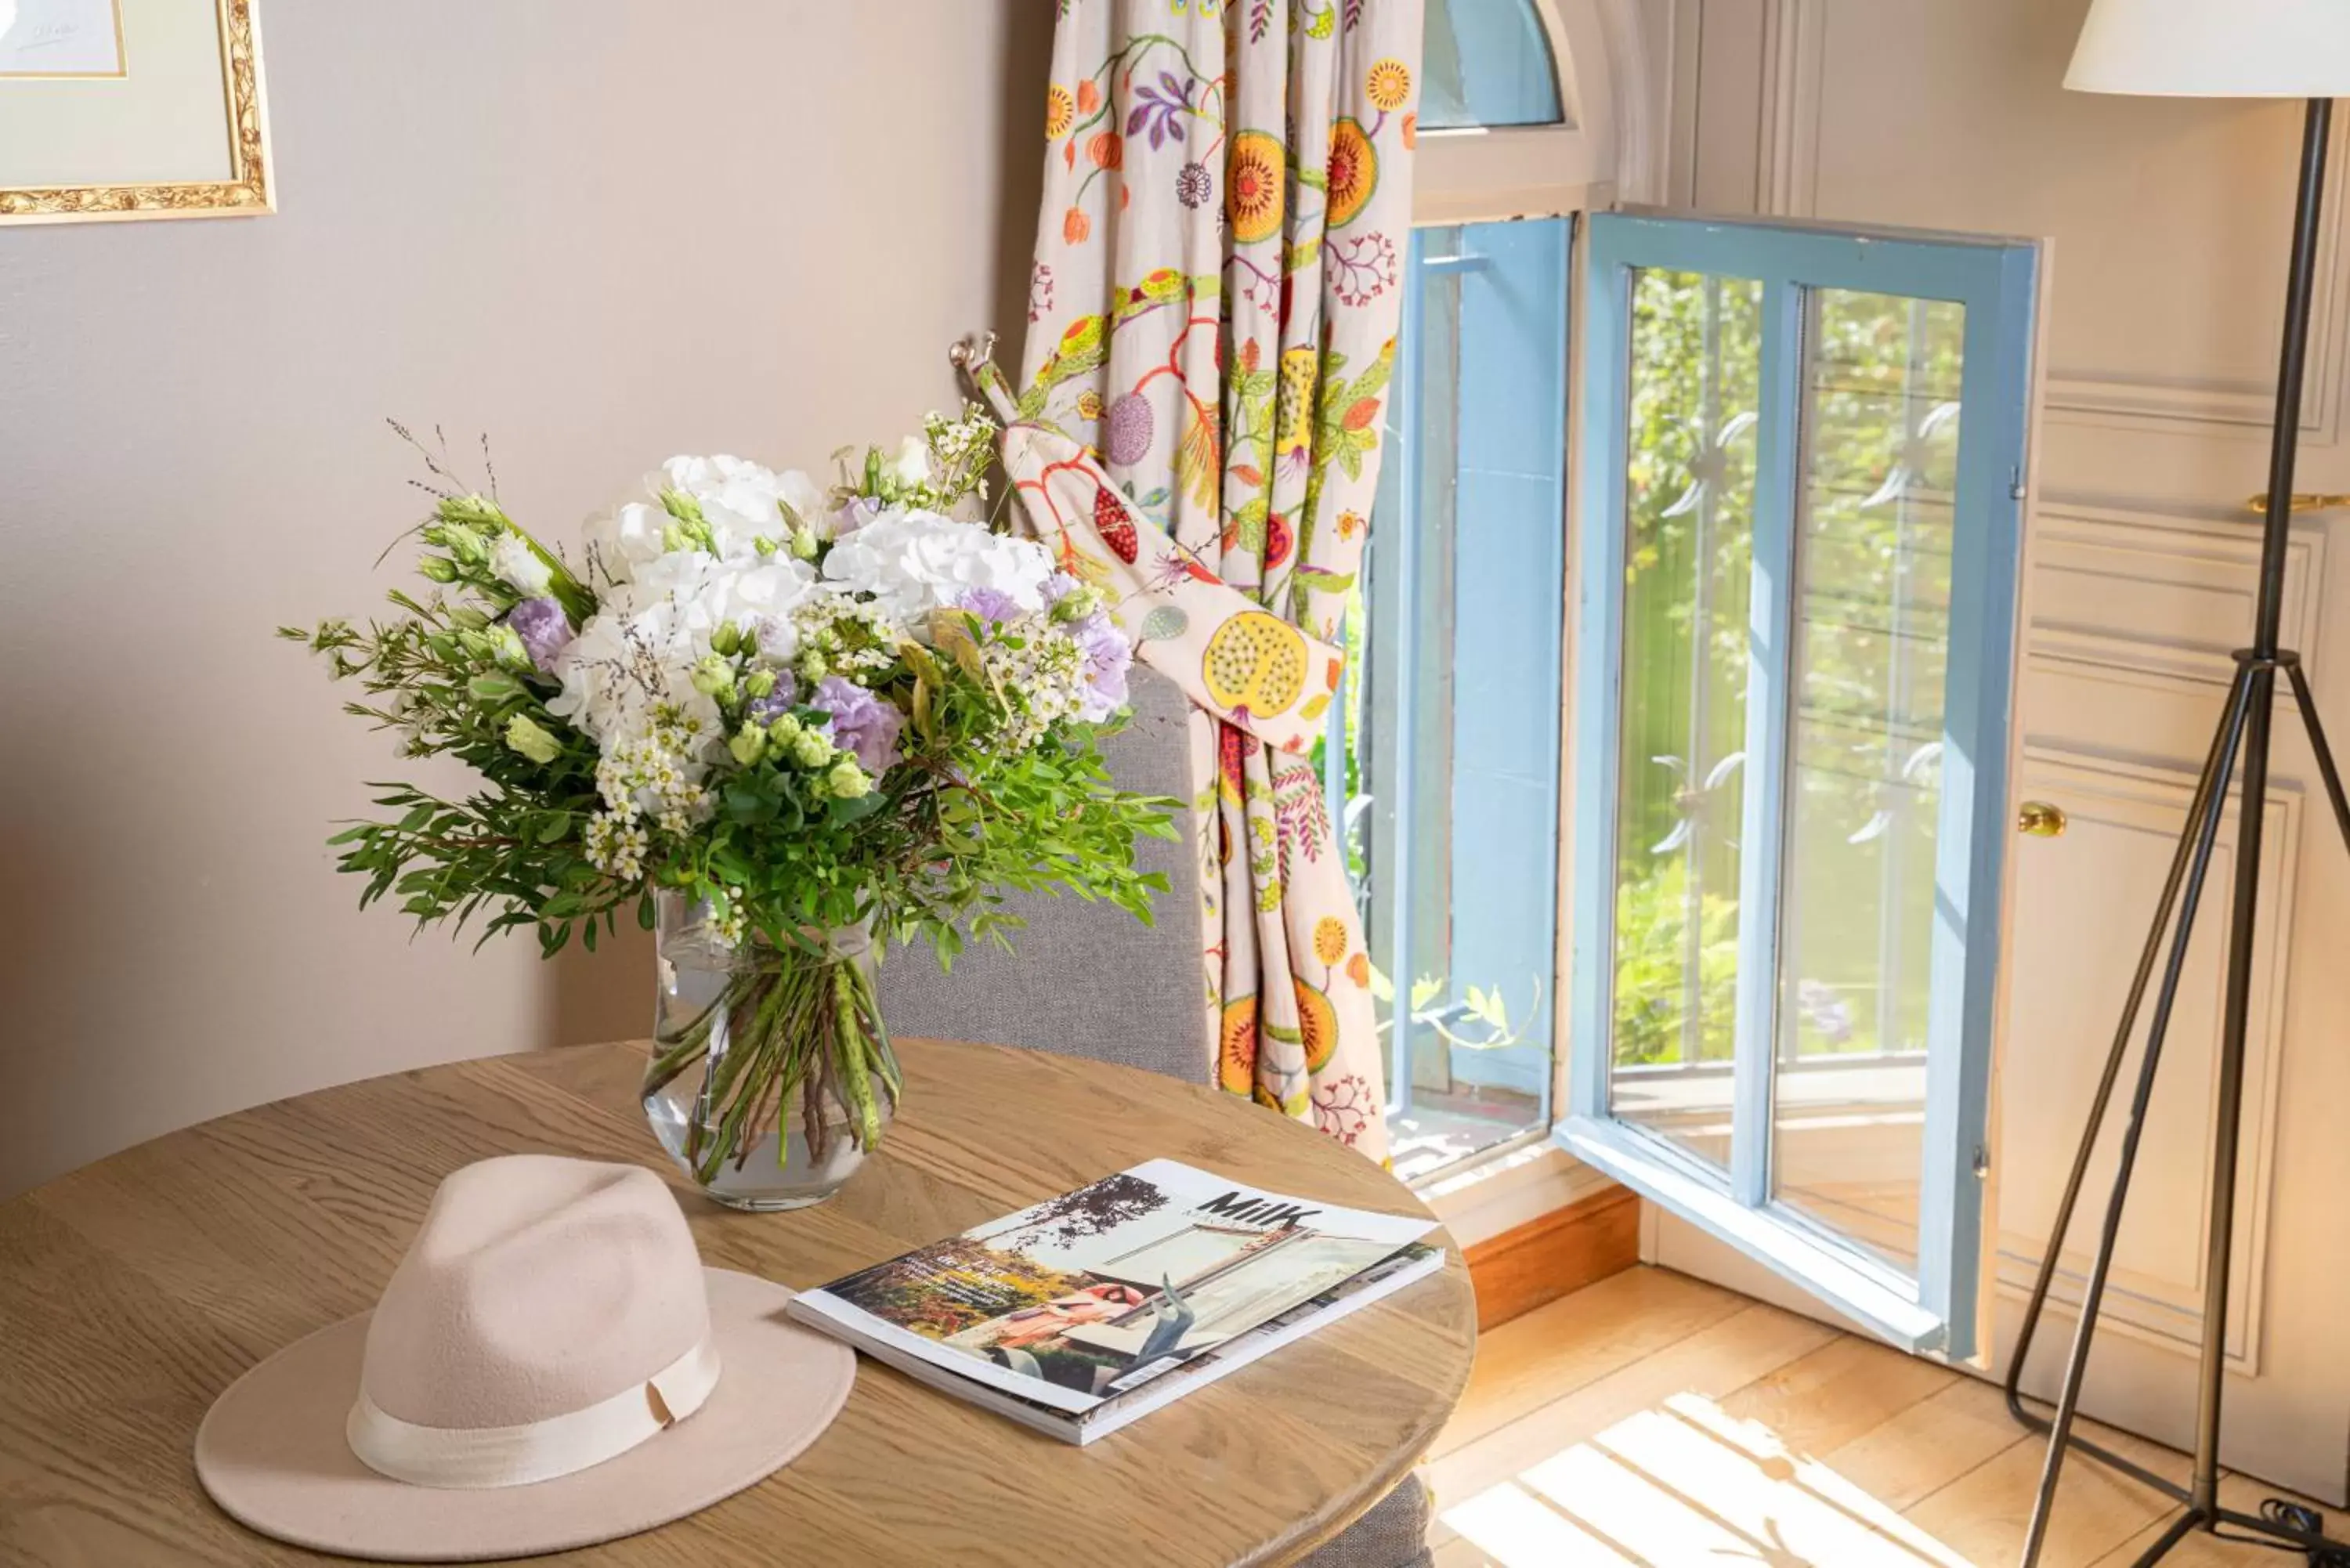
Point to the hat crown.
(538, 1287)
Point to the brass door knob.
(2039, 819)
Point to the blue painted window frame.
(1996, 280)
(1500, 606)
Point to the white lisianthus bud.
(507, 647)
(748, 745)
(811, 750)
(785, 730)
(1075, 604)
(525, 735)
(727, 638)
(805, 544)
(759, 682)
(911, 466)
(518, 566)
(847, 781)
(714, 677)
(812, 666)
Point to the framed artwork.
(131, 109)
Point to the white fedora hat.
(550, 1367)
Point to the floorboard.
(1654, 1419)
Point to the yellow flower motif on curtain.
(1236, 1055)
(1330, 939)
(1294, 414)
(1254, 195)
(1060, 111)
(1354, 171)
(1317, 1026)
(1255, 663)
(1388, 84)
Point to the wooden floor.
(1651, 1419)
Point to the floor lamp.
(2207, 49)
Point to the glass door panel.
(1882, 395)
(1689, 546)
(1795, 638)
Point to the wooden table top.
(133, 1290)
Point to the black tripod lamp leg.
(2169, 1538)
(2103, 1097)
(2316, 729)
(2202, 831)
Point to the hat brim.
(272, 1453)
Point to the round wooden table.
(133, 1290)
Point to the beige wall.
(599, 230)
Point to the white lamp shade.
(2214, 48)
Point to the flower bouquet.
(783, 724)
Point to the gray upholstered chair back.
(1087, 978)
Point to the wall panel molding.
(2157, 599)
(1794, 68)
(2130, 817)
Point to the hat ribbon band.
(482, 1456)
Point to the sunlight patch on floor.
(1683, 1482)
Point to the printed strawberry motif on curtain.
(1196, 430)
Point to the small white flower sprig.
(808, 707)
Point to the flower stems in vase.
(790, 1034)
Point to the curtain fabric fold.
(1212, 316)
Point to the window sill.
(1820, 1267)
(1507, 1188)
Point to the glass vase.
(772, 1079)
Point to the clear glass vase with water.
(772, 1077)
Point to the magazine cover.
(1089, 1296)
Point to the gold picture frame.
(246, 192)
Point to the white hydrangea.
(740, 502)
(705, 593)
(669, 589)
(628, 674)
(910, 562)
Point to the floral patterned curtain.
(1212, 317)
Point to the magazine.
(1088, 1310)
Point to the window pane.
(1872, 617)
(1487, 62)
(1689, 553)
(1450, 742)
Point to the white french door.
(1801, 459)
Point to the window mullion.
(1770, 673)
(1602, 437)
(1402, 554)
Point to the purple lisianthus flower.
(774, 704)
(989, 604)
(545, 630)
(1108, 656)
(862, 724)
